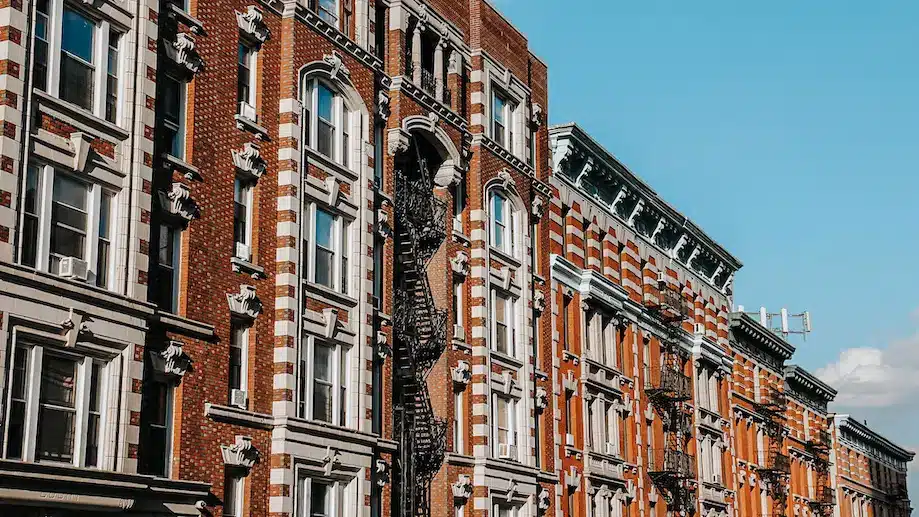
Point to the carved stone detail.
(539, 302)
(460, 264)
(172, 361)
(338, 67)
(462, 488)
(382, 473)
(249, 161)
(178, 202)
(542, 398)
(542, 501)
(245, 303)
(536, 115)
(461, 373)
(186, 54)
(331, 459)
(252, 23)
(398, 141)
(383, 105)
(538, 209)
(241, 454)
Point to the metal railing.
(668, 383)
(777, 463)
(672, 463)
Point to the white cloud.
(876, 378)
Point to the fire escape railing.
(819, 446)
(772, 407)
(669, 389)
(420, 338)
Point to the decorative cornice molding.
(245, 303)
(252, 24)
(249, 161)
(242, 454)
(749, 334)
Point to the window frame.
(341, 496)
(251, 56)
(246, 189)
(175, 267)
(341, 234)
(233, 477)
(239, 339)
(37, 350)
(177, 150)
(512, 407)
(168, 426)
(102, 30)
(510, 303)
(44, 204)
(340, 383)
(344, 123)
(508, 111)
(509, 223)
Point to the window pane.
(30, 217)
(77, 35)
(323, 273)
(111, 87)
(77, 59)
(324, 137)
(322, 402)
(70, 192)
(58, 381)
(318, 500)
(322, 363)
(325, 103)
(328, 11)
(94, 417)
(17, 404)
(76, 82)
(42, 24)
(242, 87)
(56, 412)
(240, 213)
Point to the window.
(458, 432)
(166, 291)
(233, 493)
(172, 108)
(503, 224)
(88, 58)
(502, 118)
(242, 220)
(566, 311)
(331, 234)
(55, 406)
(324, 498)
(600, 339)
(328, 11)
(328, 123)
(504, 318)
(458, 302)
(239, 358)
(155, 429)
(505, 427)
(245, 80)
(77, 224)
(378, 273)
(505, 510)
(323, 393)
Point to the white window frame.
(100, 57)
(243, 346)
(180, 126)
(344, 123)
(506, 510)
(325, 14)
(509, 112)
(459, 426)
(341, 233)
(247, 191)
(252, 85)
(458, 301)
(341, 353)
(44, 200)
(509, 223)
(37, 351)
(510, 321)
(341, 497)
(513, 424)
(170, 420)
(238, 480)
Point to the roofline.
(575, 130)
(807, 380)
(861, 429)
(754, 329)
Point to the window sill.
(571, 450)
(506, 360)
(184, 168)
(186, 19)
(329, 164)
(246, 124)
(461, 346)
(245, 267)
(569, 356)
(503, 256)
(612, 458)
(81, 115)
(329, 295)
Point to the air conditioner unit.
(569, 439)
(699, 328)
(661, 277)
(507, 451)
(247, 110)
(459, 332)
(243, 251)
(718, 479)
(239, 398)
(610, 448)
(74, 269)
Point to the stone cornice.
(805, 382)
(578, 157)
(760, 337)
(848, 425)
(338, 38)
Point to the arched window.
(329, 122)
(503, 224)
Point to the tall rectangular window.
(111, 84)
(566, 316)
(69, 220)
(30, 217)
(233, 493)
(104, 245)
(18, 402)
(239, 359)
(503, 225)
(167, 266)
(172, 107)
(378, 273)
(155, 429)
(94, 415)
(504, 324)
(245, 80)
(501, 115)
(326, 124)
(323, 382)
(325, 248)
(242, 219)
(57, 409)
(328, 11)
(458, 431)
(77, 59)
(42, 37)
(505, 427)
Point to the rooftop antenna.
(782, 323)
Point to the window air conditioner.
(243, 251)
(661, 277)
(507, 451)
(610, 448)
(569, 439)
(459, 333)
(74, 269)
(699, 328)
(247, 110)
(239, 398)
(718, 479)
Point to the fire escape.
(777, 466)
(824, 497)
(671, 468)
(420, 336)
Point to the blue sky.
(788, 130)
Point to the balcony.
(669, 384)
(671, 306)
(671, 463)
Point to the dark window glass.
(77, 66)
(42, 25)
(57, 409)
(17, 403)
(154, 431)
(111, 82)
(30, 217)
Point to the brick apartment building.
(319, 258)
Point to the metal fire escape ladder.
(672, 468)
(777, 467)
(420, 338)
(824, 497)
